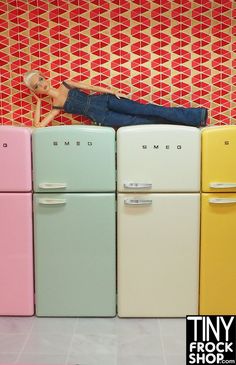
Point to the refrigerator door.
(158, 255)
(75, 254)
(219, 159)
(16, 255)
(74, 158)
(15, 159)
(218, 254)
(158, 158)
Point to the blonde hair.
(27, 77)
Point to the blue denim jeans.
(124, 112)
(108, 110)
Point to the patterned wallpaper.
(173, 53)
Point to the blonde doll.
(108, 109)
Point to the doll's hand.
(119, 95)
(18, 124)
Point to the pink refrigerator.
(16, 246)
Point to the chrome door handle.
(133, 185)
(222, 201)
(52, 201)
(52, 185)
(138, 202)
(222, 185)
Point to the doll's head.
(36, 82)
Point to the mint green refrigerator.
(74, 221)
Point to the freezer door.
(158, 255)
(219, 159)
(16, 255)
(158, 158)
(218, 254)
(15, 159)
(74, 159)
(75, 254)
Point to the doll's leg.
(113, 119)
(188, 116)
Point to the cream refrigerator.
(218, 221)
(16, 244)
(158, 220)
(74, 221)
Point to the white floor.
(89, 341)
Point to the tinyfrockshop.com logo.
(210, 340)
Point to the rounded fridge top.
(15, 159)
(157, 127)
(62, 129)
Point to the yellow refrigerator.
(218, 221)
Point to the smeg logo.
(68, 143)
(158, 147)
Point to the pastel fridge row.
(158, 221)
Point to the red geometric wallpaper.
(173, 53)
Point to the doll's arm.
(45, 121)
(84, 86)
(37, 112)
(99, 89)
